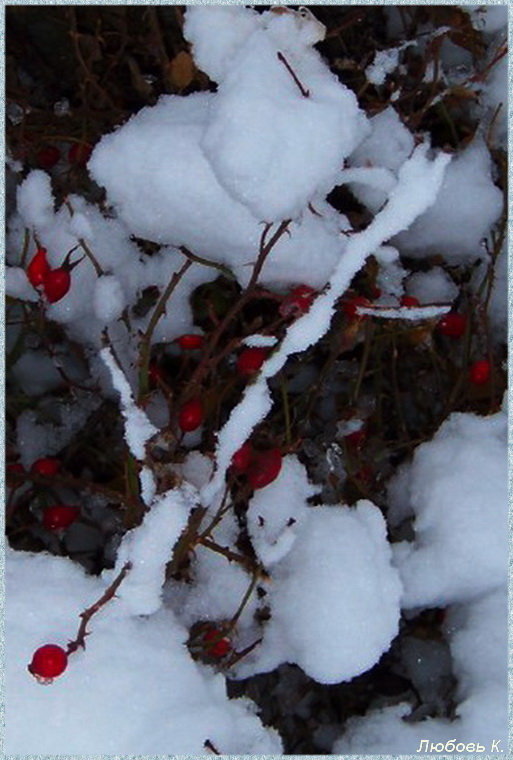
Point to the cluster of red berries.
(50, 155)
(297, 302)
(58, 516)
(54, 283)
(215, 643)
(259, 467)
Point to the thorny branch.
(87, 614)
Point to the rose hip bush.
(256, 344)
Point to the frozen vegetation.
(236, 180)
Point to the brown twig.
(87, 614)
(237, 656)
(159, 310)
(304, 92)
(208, 745)
(265, 249)
(208, 543)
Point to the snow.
(477, 633)
(102, 703)
(17, 285)
(411, 313)
(248, 141)
(384, 63)
(433, 286)
(37, 437)
(218, 35)
(325, 593)
(388, 146)
(457, 491)
(149, 548)
(108, 299)
(204, 172)
(35, 200)
(455, 230)
(259, 341)
(138, 428)
(419, 180)
(276, 513)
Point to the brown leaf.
(181, 70)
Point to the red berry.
(15, 467)
(220, 645)
(79, 153)
(56, 284)
(349, 307)
(242, 458)
(190, 341)
(250, 360)
(59, 516)
(264, 468)
(452, 325)
(357, 438)
(47, 466)
(480, 372)
(364, 475)
(38, 268)
(191, 415)
(155, 374)
(48, 662)
(298, 301)
(47, 157)
(409, 301)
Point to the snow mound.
(107, 685)
(276, 513)
(248, 141)
(477, 635)
(456, 486)
(334, 599)
(466, 207)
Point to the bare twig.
(208, 745)
(265, 249)
(304, 92)
(87, 614)
(159, 310)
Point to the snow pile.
(248, 141)
(232, 158)
(477, 634)
(102, 704)
(388, 146)
(433, 286)
(456, 487)
(215, 175)
(326, 592)
(466, 207)
(276, 513)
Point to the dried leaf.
(181, 70)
